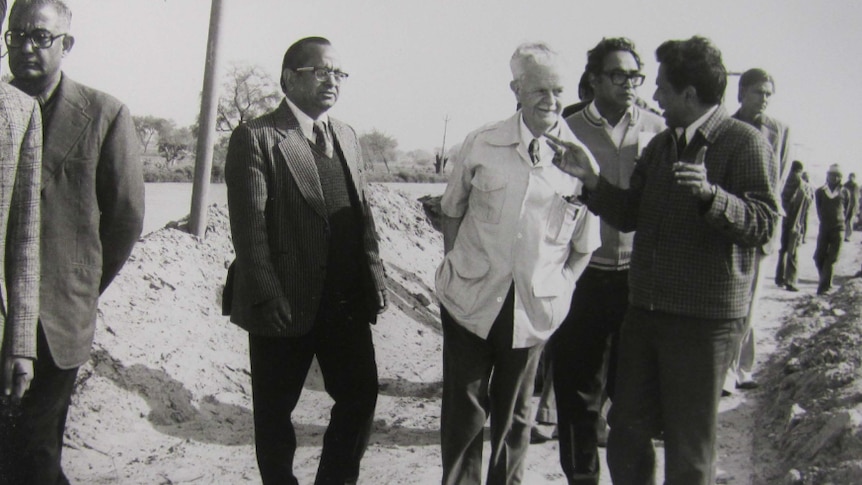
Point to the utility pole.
(206, 129)
(445, 125)
(440, 158)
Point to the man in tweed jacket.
(702, 200)
(92, 206)
(20, 165)
(307, 279)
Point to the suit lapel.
(343, 135)
(67, 125)
(300, 161)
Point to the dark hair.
(596, 55)
(585, 89)
(755, 76)
(796, 166)
(296, 55)
(694, 62)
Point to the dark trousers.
(482, 377)
(787, 269)
(826, 254)
(32, 442)
(584, 349)
(669, 378)
(342, 342)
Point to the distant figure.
(832, 202)
(615, 130)
(92, 210)
(307, 280)
(20, 173)
(756, 87)
(702, 200)
(795, 199)
(853, 209)
(809, 190)
(516, 239)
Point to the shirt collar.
(691, 129)
(306, 123)
(593, 111)
(545, 151)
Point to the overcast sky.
(413, 62)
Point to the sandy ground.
(166, 396)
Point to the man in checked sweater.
(702, 201)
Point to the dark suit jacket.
(20, 163)
(279, 221)
(92, 212)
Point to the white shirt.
(691, 129)
(306, 123)
(618, 132)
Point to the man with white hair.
(516, 239)
(832, 202)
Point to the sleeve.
(619, 207)
(22, 244)
(370, 237)
(746, 208)
(457, 194)
(247, 193)
(120, 192)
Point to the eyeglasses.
(41, 38)
(620, 78)
(323, 74)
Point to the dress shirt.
(617, 132)
(306, 123)
(516, 226)
(691, 129)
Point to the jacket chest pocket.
(563, 220)
(487, 196)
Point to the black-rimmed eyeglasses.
(41, 38)
(323, 74)
(620, 78)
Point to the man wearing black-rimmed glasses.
(307, 280)
(584, 348)
(92, 213)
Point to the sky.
(413, 63)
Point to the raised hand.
(573, 160)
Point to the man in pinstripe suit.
(307, 280)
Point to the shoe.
(725, 393)
(541, 433)
(823, 291)
(746, 385)
(790, 287)
(779, 282)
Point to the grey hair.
(63, 10)
(535, 53)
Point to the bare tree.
(148, 127)
(176, 144)
(377, 145)
(248, 92)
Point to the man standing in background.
(832, 202)
(20, 164)
(795, 199)
(616, 131)
(516, 239)
(92, 195)
(756, 87)
(853, 208)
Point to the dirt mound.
(812, 411)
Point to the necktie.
(321, 138)
(534, 151)
(681, 142)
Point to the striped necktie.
(321, 138)
(534, 151)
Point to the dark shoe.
(779, 282)
(748, 385)
(791, 288)
(823, 291)
(725, 393)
